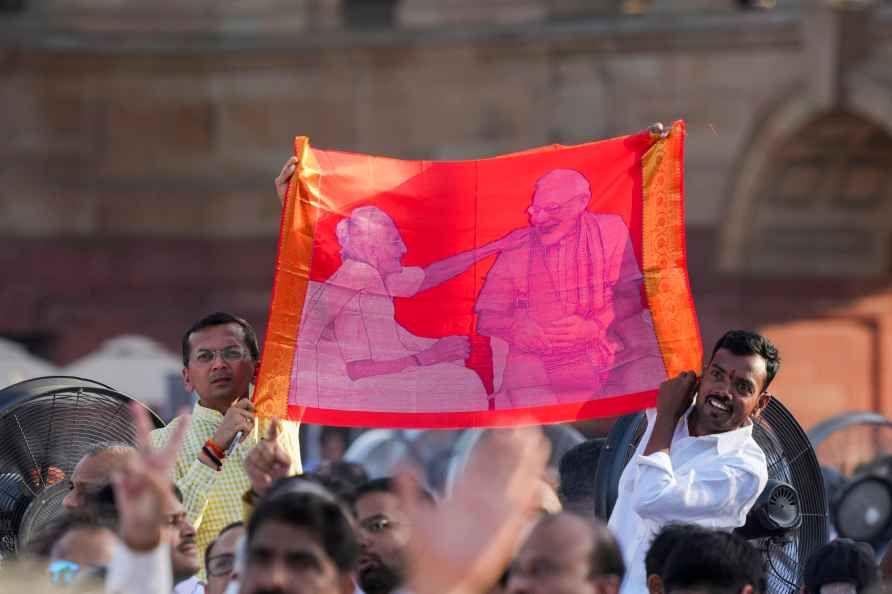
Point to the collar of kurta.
(726, 442)
(202, 413)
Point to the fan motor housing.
(775, 513)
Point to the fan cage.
(47, 425)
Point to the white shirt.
(191, 586)
(711, 481)
(132, 572)
(148, 572)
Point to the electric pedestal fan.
(855, 451)
(46, 425)
(790, 518)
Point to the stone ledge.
(644, 32)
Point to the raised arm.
(447, 268)
(713, 494)
(141, 563)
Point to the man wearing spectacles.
(568, 303)
(220, 359)
(219, 558)
(82, 547)
(383, 532)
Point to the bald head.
(566, 181)
(94, 471)
(567, 554)
(559, 198)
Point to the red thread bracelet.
(218, 451)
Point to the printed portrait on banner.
(559, 317)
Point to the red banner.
(542, 286)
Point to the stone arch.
(813, 193)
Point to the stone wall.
(137, 165)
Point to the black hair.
(341, 478)
(323, 517)
(207, 550)
(100, 502)
(744, 343)
(577, 471)
(841, 560)
(664, 543)
(716, 562)
(607, 558)
(342, 432)
(42, 543)
(388, 485)
(221, 319)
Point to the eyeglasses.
(377, 525)
(220, 565)
(65, 573)
(554, 208)
(230, 354)
(62, 572)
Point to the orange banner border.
(302, 202)
(664, 255)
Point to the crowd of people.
(217, 502)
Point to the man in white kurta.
(697, 461)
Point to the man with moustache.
(220, 359)
(383, 531)
(568, 303)
(184, 560)
(697, 461)
(219, 558)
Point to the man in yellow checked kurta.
(220, 356)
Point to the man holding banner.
(220, 357)
(697, 462)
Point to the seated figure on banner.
(352, 354)
(568, 303)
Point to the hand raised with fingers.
(144, 486)
(267, 461)
(284, 177)
(465, 543)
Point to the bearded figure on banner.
(568, 302)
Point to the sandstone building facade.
(139, 149)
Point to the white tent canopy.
(138, 367)
(17, 364)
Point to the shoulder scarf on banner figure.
(544, 286)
